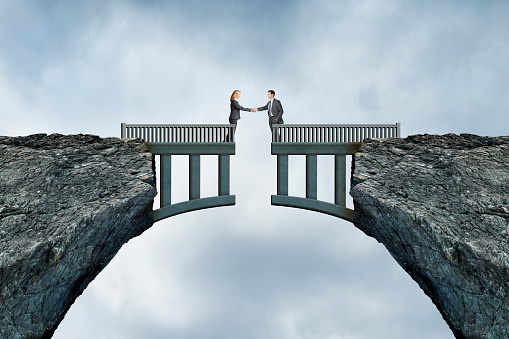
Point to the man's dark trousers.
(272, 120)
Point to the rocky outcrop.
(440, 205)
(67, 205)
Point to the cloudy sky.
(253, 270)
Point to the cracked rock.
(67, 205)
(439, 204)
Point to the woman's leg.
(232, 122)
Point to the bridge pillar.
(165, 175)
(194, 177)
(311, 176)
(224, 174)
(339, 179)
(282, 174)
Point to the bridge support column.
(165, 186)
(311, 176)
(223, 175)
(194, 177)
(339, 179)
(282, 174)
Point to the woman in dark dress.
(235, 108)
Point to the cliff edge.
(67, 205)
(440, 205)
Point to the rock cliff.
(440, 205)
(67, 205)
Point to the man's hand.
(254, 110)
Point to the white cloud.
(254, 270)
(426, 67)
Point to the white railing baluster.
(287, 133)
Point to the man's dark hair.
(272, 92)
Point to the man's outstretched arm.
(263, 108)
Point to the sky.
(253, 270)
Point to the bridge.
(314, 140)
(309, 140)
(194, 141)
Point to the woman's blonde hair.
(233, 94)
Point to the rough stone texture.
(67, 205)
(440, 205)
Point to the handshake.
(254, 110)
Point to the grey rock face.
(440, 205)
(67, 205)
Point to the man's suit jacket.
(235, 109)
(277, 110)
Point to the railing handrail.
(321, 133)
(335, 125)
(176, 125)
(187, 133)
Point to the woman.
(235, 108)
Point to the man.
(274, 110)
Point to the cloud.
(253, 270)
(385, 61)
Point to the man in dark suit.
(274, 110)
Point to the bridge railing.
(332, 133)
(179, 133)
